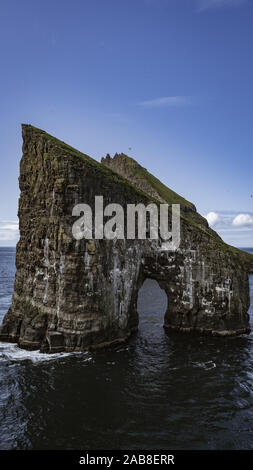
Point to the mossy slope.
(188, 210)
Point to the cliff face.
(140, 177)
(71, 295)
(145, 181)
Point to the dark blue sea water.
(159, 391)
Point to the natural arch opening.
(151, 306)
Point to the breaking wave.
(11, 352)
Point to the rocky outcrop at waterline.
(77, 294)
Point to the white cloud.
(235, 228)
(212, 218)
(165, 101)
(243, 220)
(206, 4)
(9, 232)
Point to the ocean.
(159, 391)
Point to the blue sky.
(172, 79)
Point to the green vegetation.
(164, 192)
(103, 170)
(190, 217)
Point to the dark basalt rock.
(73, 295)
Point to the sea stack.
(72, 295)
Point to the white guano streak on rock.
(225, 292)
(60, 283)
(52, 205)
(47, 265)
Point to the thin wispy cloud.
(166, 101)
(10, 226)
(203, 5)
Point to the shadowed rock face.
(72, 295)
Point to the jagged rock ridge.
(72, 295)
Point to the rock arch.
(152, 300)
(73, 295)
